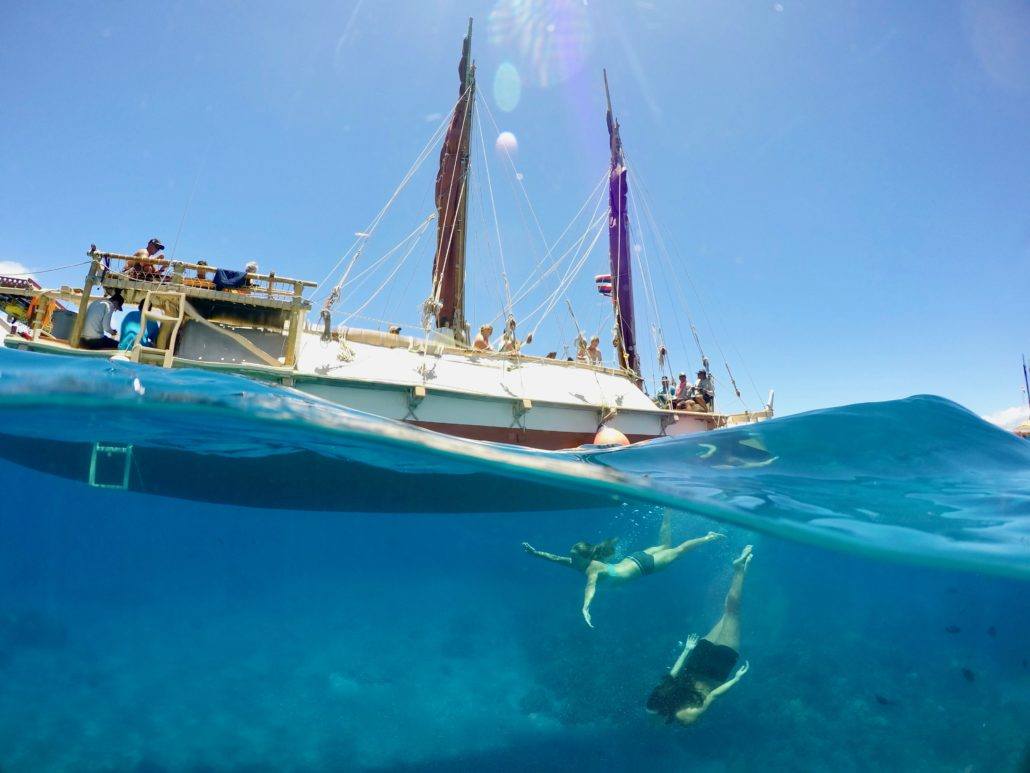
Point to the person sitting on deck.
(482, 340)
(682, 394)
(509, 341)
(143, 266)
(202, 279)
(97, 331)
(592, 560)
(664, 397)
(702, 672)
(704, 391)
(130, 330)
(594, 351)
(235, 281)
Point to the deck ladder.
(168, 308)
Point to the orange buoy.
(609, 436)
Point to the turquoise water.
(329, 591)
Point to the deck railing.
(163, 271)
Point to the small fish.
(969, 675)
(883, 701)
(992, 631)
(952, 629)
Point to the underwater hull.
(297, 480)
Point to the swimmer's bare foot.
(741, 562)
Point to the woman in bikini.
(592, 560)
(702, 672)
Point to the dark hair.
(584, 552)
(672, 694)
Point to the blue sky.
(844, 184)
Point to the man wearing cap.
(143, 264)
(704, 390)
(97, 330)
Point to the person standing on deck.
(594, 351)
(97, 330)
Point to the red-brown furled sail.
(452, 204)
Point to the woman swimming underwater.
(592, 560)
(701, 674)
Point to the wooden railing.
(162, 271)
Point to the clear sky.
(844, 184)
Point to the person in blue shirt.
(130, 330)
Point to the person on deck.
(130, 330)
(702, 672)
(592, 560)
(704, 390)
(681, 396)
(143, 266)
(509, 341)
(581, 348)
(97, 331)
(664, 397)
(594, 351)
(482, 340)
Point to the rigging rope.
(47, 270)
(365, 235)
(497, 224)
(645, 200)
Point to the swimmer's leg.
(727, 630)
(663, 556)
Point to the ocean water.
(287, 585)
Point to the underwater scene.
(202, 573)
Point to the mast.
(1026, 381)
(452, 204)
(618, 247)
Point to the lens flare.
(507, 87)
(552, 37)
(506, 144)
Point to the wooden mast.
(452, 204)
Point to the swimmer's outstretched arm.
(691, 643)
(688, 716)
(564, 560)
(722, 688)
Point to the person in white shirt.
(594, 351)
(97, 330)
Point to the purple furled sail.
(618, 249)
